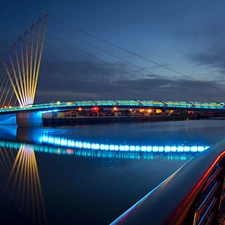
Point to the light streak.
(25, 177)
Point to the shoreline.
(68, 121)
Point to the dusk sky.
(185, 36)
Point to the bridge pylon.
(22, 63)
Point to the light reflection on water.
(23, 186)
(149, 141)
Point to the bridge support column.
(29, 119)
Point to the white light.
(180, 148)
(76, 144)
(69, 143)
(187, 148)
(200, 148)
(167, 148)
(85, 145)
(88, 145)
(121, 147)
(173, 148)
(194, 149)
(138, 148)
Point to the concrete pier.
(29, 119)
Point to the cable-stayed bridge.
(18, 85)
(22, 65)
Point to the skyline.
(185, 36)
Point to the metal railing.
(191, 195)
(119, 103)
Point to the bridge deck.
(121, 103)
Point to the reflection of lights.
(85, 149)
(49, 111)
(69, 151)
(24, 176)
(138, 148)
(7, 158)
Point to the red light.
(69, 151)
(95, 108)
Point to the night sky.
(183, 41)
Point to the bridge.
(203, 194)
(19, 81)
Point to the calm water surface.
(56, 176)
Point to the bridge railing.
(191, 195)
(121, 103)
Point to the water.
(46, 179)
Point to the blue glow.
(123, 148)
(49, 111)
(124, 103)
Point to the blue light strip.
(122, 103)
(63, 142)
(81, 152)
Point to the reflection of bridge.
(57, 142)
(156, 152)
(206, 180)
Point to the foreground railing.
(191, 195)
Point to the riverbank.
(103, 120)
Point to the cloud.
(152, 88)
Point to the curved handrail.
(172, 201)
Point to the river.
(91, 174)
